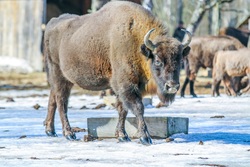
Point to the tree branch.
(232, 10)
(226, 1)
(212, 4)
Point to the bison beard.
(107, 49)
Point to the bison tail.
(46, 57)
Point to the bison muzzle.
(111, 48)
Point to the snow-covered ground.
(226, 141)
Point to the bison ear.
(146, 52)
(186, 51)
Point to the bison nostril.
(167, 86)
(171, 86)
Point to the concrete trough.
(159, 127)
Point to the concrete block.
(159, 127)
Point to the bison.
(122, 46)
(242, 36)
(202, 54)
(229, 64)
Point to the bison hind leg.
(247, 88)
(121, 133)
(59, 96)
(49, 121)
(191, 84)
(62, 98)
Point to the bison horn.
(185, 44)
(149, 44)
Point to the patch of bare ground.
(38, 80)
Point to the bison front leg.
(192, 78)
(184, 87)
(120, 128)
(133, 101)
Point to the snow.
(13, 64)
(226, 141)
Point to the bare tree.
(248, 44)
(97, 4)
(201, 8)
(180, 10)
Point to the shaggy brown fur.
(230, 64)
(242, 36)
(202, 53)
(106, 50)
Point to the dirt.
(13, 81)
(37, 81)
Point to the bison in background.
(237, 84)
(202, 53)
(242, 36)
(116, 47)
(229, 64)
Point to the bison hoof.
(51, 133)
(194, 95)
(146, 141)
(71, 137)
(124, 139)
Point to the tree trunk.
(180, 10)
(216, 19)
(210, 20)
(20, 35)
(97, 4)
(197, 16)
(248, 44)
(201, 8)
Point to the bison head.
(165, 55)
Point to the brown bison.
(236, 84)
(242, 36)
(230, 64)
(202, 54)
(116, 47)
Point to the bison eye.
(158, 63)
